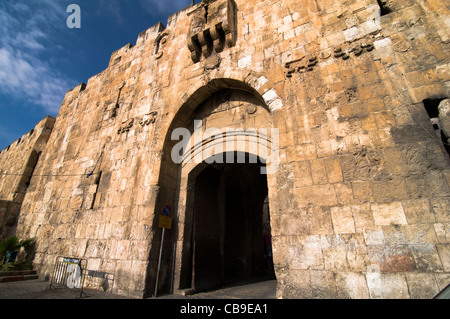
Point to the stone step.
(8, 276)
(17, 273)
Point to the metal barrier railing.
(69, 272)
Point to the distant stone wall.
(17, 163)
(359, 205)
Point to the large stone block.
(389, 214)
(386, 286)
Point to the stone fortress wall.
(359, 203)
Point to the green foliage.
(26, 242)
(10, 245)
(7, 267)
(16, 266)
(23, 266)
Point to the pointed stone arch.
(245, 80)
(214, 81)
(173, 178)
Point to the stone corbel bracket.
(213, 27)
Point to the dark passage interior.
(231, 228)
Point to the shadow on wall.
(6, 220)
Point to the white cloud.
(26, 35)
(32, 80)
(28, 38)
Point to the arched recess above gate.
(231, 78)
(228, 78)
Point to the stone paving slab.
(259, 290)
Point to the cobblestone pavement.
(38, 289)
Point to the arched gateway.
(219, 162)
(188, 117)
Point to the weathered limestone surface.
(17, 163)
(444, 118)
(360, 203)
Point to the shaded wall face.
(245, 192)
(207, 232)
(359, 205)
(17, 164)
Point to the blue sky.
(41, 58)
